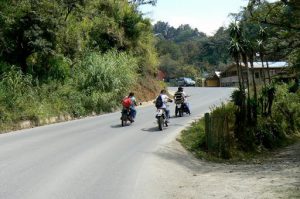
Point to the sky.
(205, 15)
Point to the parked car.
(185, 81)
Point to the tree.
(143, 2)
(188, 46)
(261, 42)
(235, 49)
(282, 19)
(35, 32)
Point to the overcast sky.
(206, 15)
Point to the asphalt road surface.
(93, 157)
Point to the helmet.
(180, 89)
(131, 94)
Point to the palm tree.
(261, 42)
(250, 53)
(246, 46)
(236, 48)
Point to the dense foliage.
(184, 47)
(281, 23)
(265, 116)
(270, 30)
(277, 23)
(99, 83)
(272, 132)
(41, 37)
(71, 57)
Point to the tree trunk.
(268, 71)
(253, 76)
(263, 68)
(238, 71)
(254, 108)
(247, 68)
(242, 76)
(248, 108)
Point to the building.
(213, 80)
(229, 77)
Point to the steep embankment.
(147, 89)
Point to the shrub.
(269, 133)
(105, 79)
(193, 138)
(59, 68)
(238, 97)
(110, 72)
(286, 109)
(99, 83)
(4, 67)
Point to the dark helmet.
(180, 89)
(163, 91)
(131, 94)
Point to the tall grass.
(104, 79)
(98, 83)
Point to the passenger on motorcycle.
(129, 102)
(181, 98)
(132, 106)
(164, 105)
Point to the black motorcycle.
(180, 109)
(125, 118)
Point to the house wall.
(212, 83)
(258, 74)
(229, 78)
(229, 81)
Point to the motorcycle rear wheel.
(160, 121)
(180, 113)
(123, 122)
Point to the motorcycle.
(161, 118)
(180, 109)
(125, 116)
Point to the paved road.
(90, 158)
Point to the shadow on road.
(152, 129)
(115, 126)
(155, 128)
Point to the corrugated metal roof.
(279, 64)
(218, 73)
(213, 74)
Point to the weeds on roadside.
(98, 84)
(279, 129)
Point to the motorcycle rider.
(165, 99)
(132, 106)
(181, 97)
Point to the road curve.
(93, 157)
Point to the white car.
(185, 81)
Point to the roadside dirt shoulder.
(177, 174)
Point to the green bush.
(4, 67)
(286, 109)
(238, 97)
(59, 68)
(111, 72)
(269, 133)
(193, 138)
(98, 84)
(272, 130)
(105, 79)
